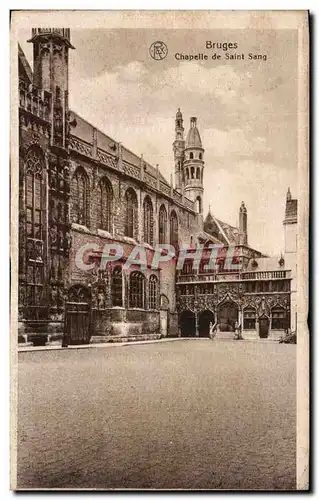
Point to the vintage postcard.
(159, 246)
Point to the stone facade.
(78, 187)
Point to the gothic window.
(105, 204)
(278, 318)
(35, 216)
(137, 290)
(174, 229)
(80, 194)
(187, 267)
(191, 156)
(162, 225)
(249, 318)
(198, 204)
(148, 221)
(117, 287)
(130, 213)
(152, 292)
(251, 286)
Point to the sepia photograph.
(159, 250)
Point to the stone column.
(196, 324)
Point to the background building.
(78, 186)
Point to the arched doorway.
(263, 326)
(205, 318)
(227, 316)
(187, 324)
(77, 320)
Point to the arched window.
(173, 229)
(192, 173)
(197, 173)
(162, 225)
(117, 287)
(200, 156)
(80, 197)
(187, 174)
(105, 204)
(249, 318)
(198, 202)
(191, 156)
(152, 292)
(35, 218)
(137, 290)
(148, 220)
(130, 213)
(278, 318)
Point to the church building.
(79, 188)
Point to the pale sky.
(246, 111)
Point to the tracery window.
(130, 213)
(105, 204)
(152, 292)
(173, 229)
(278, 318)
(148, 220)
(35, 216)
(162, 225)
(249, 318)
(137, 290)
(117, 287)
(80, 193)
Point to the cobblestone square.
(192, 414)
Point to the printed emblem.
(158, 50)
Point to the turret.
(193, 166)
(243, 236)
(50, 61)
(178, 148)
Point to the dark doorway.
(263, 327)
(227, 316)
(205, 318)
(187, 324)
(77, 323)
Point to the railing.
(35, 101)
(265, 275)
(64, 32)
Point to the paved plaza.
(192, 414)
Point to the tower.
(178, 148)
(193, 166)
(243, 237)
(51, 59)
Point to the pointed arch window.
(249, 318)
(153, 292)
(105, 204)
(130, 229)
(278, 318)
(162, 225)
(80, 195)
(137, 290)
(198, 202)
(117, 287)
(148, 221)
(174, 229)
(35, 217)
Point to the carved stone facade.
(79, 187)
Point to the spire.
(288, 197)
(243, 236)
(193, 139)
